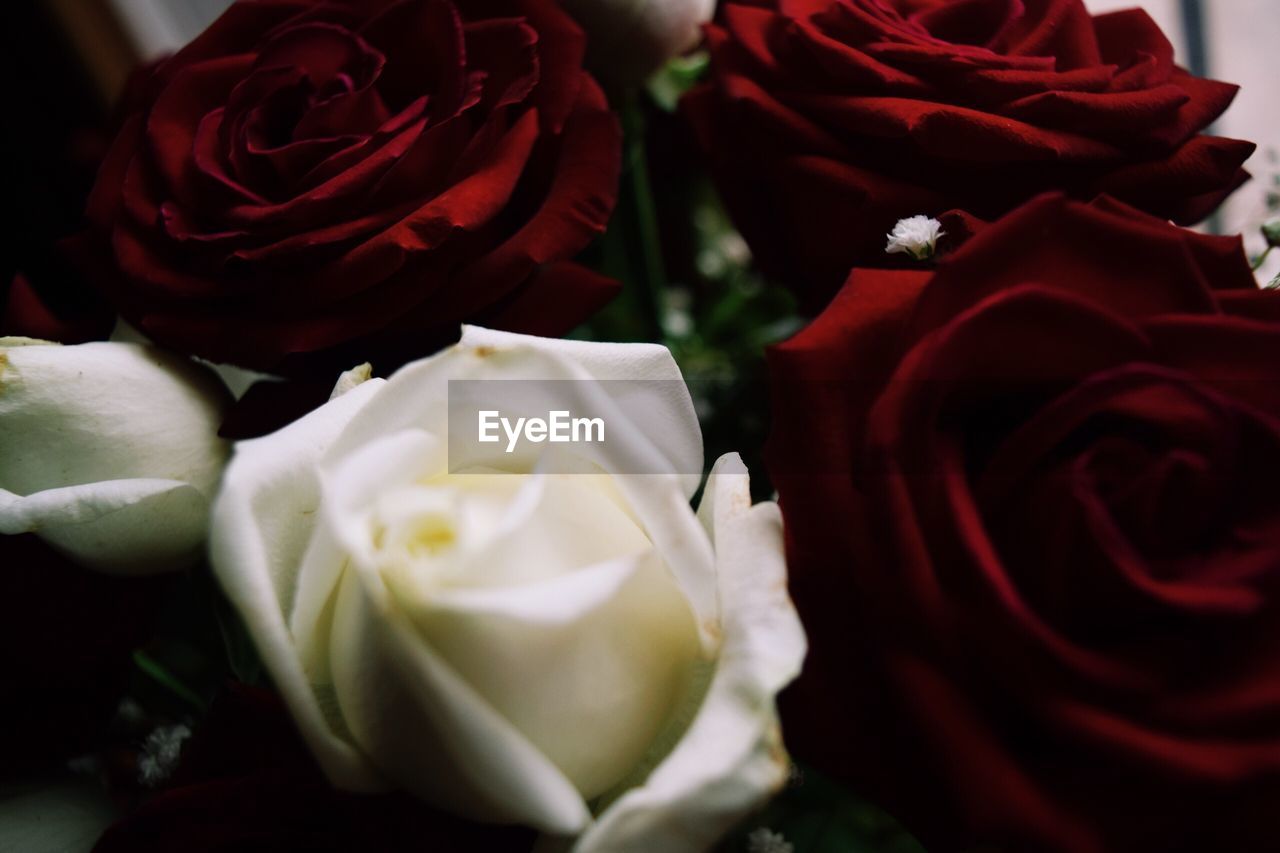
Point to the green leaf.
(678, 76)
(1271, 231)
(161, 675)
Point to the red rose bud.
(828, 121)
(308, 177)
(1033, 528)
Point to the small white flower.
(734, 248)
(129, 712)
(160, 754)
(916, 236)
(767, 841)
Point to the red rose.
(1033, 516)
(827, 121)
(308, 175)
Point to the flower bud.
(111, 452)
(628, 39)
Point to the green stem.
(1262, 259)
(165, 678)
(644, 216)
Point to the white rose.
(578, 652)
(110, 452)
(627, 39)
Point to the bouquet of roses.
(376, 478)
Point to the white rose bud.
(577, 652)
(110, 452)
(627, 39)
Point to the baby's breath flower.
(764, 840)
(160, 754)
(916, 236)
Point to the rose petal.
(731, 758)
(254, 554)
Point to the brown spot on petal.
(777, 753)
(780, 759)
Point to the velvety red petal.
(953, 132)
(173, 120)
(562, 45)
(538, 306)
(1080, 250)
(576, 206)
(424, 42)
(1206, 168)
(1062, 29)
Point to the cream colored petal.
(731, 759)
(589, 665)
(80, 414)
(116, 526)
(554, 523)
(670, 441)
(428, 730)
(349, 379)
(417, 720)
(263, 521)
(352, 484)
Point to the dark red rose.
(1032, 503)
(246, 784)
(24, 313)
(307, 176)
(826, 121)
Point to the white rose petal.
(55, 817)
(733, 751)
(111, 451)
(579, 652)
(357, 375)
